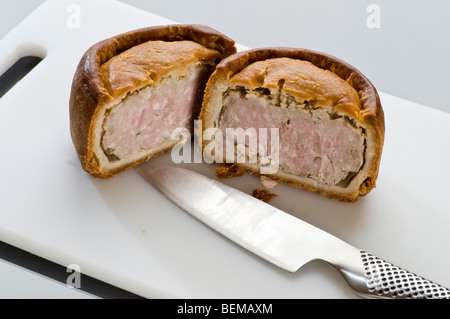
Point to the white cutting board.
(123, 232)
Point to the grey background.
(406, 57)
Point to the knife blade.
(282, 239)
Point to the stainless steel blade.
(280, 238)
(270, 233)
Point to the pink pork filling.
(313, 144)
(146, 118)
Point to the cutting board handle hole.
(21, 61)
(17, 72)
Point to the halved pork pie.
(327, 116)
(131, 91)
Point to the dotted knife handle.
(385, 280)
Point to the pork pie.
(329, 119)
(131, 91)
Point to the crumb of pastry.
(268, 182)
(234, 170)
(263, 194)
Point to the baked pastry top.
(148, 62)
(301, 79)
(123, 80)
(329, 116)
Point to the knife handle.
(372, 277)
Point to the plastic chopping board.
(125, 233)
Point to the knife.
(283, 239)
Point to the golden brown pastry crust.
(235, 170)
(149, 62)
(294, 77)
(89, 94)
(263, 194)
(368, 111)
